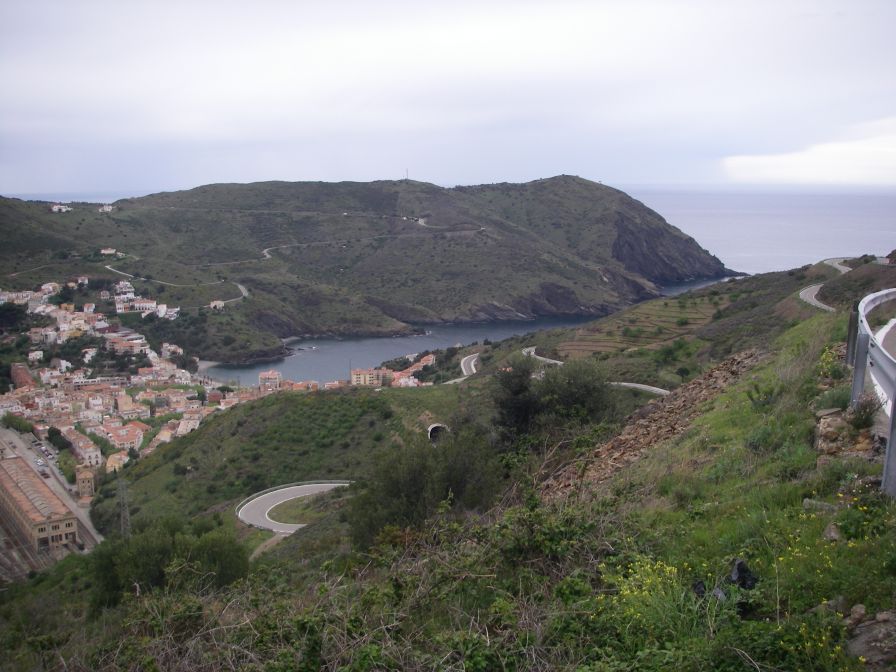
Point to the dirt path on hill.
(650, 425)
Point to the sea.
(758, 232)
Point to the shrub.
(763, 396)
(861, 415)
(766, 438)
(829, 364)
(837, 397)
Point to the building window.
(54, 527)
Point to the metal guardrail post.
(889, 480)
(851, 334)
(859, 367)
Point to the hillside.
(362, 258)
(735, 524)
(283, 438)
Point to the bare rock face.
(660, 253)
(834, 437)
(652, 424)
(831, 434)
(832, 532)
(874, 640)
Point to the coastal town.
(73, 415)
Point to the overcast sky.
(128, 96)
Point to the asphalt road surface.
(650, 389)
(808, 295)
(468, 364)
(255, 511)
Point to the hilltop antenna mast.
(124, 507)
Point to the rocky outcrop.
(661, 253)
(834, 437)
(649, 426)
(873, 640)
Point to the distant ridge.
(376, 257)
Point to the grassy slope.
(282, 438)
(537, 585)
(603, 583)
(720, 319)
(865, 279)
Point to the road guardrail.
(866, 354)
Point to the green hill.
(362, 258)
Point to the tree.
(12, 316)
(17, 423)
(55, 437)
(515, 399)
(576, 391)
(221, 554)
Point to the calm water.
(757, 233)
(331, 359)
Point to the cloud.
(617, 90)
(865, 156)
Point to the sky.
(135, 97)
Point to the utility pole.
(124, 507)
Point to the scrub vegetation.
(733, 545)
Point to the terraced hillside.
(648, 325)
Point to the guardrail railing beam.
(865, 353)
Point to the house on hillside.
(116, 461)
(371, 377)
(84, 450)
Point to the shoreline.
(292, 344)
(205, 365)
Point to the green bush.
(837, 397)
(861, 415)
(766, 438)
(17, 423)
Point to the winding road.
(244, 293)
(255, 510)
(650, 389)
(468, 364)
(809, 294)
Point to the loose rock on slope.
(652, 424)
